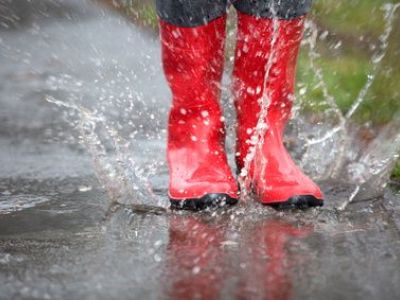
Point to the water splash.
(375, 161)
(330, 150)
(124, 180)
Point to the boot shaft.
(193, 61)
(264, 77)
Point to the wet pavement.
(59, 237)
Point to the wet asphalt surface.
(59, 237)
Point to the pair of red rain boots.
(193, 60)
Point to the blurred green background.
(349, 35)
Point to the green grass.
(345, 69)
(344, 77)
(142, 11)
(396, 171)
(357, 17)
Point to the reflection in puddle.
(205, 260)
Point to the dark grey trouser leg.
(282, 9)
(190, 13)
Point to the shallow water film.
(84, 209)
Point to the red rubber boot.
(193, 60)
(275, 177)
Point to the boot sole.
(209, 201)
(297, 202)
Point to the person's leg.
(190, 13)
(269, 36)
(192, 37)
(274, 9)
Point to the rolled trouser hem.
(190, 13)
(276, 9)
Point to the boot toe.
(298, 202)
(208, 201)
